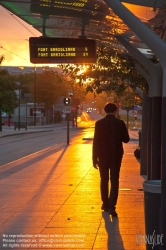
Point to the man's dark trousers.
(109, 171)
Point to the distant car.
(88, 110)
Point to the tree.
(49, 86)
(129, 98)
(113, 74)
(25, 80)
(8, 98)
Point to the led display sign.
(87, 9)
(62, 50)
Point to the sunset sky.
(14, 38)
(15, 33)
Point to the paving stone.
(58, 194)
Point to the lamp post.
(35, 95)
(19, 98)
(19, 108)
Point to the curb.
(23, 133)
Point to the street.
(17, 146)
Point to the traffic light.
(66, 100)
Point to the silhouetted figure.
(109, 134)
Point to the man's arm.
(125, 134)
(96, 143)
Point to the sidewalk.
(51, 200)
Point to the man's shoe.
(112, 212)
(104, 207)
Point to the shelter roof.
(92, 18)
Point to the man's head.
(110, 108)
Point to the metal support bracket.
(83, 24)
(44, 17)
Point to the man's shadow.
(112, 227)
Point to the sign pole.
(67, 111)
(68, 115)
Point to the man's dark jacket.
(109, 134)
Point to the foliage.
(49, 86)
(129, 98)
(2, 58)
(113, 74)
(24, 80)
(8, 98)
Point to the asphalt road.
(15, 147)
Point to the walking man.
(110, 133)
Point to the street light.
(35, 96)
(19, 97)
